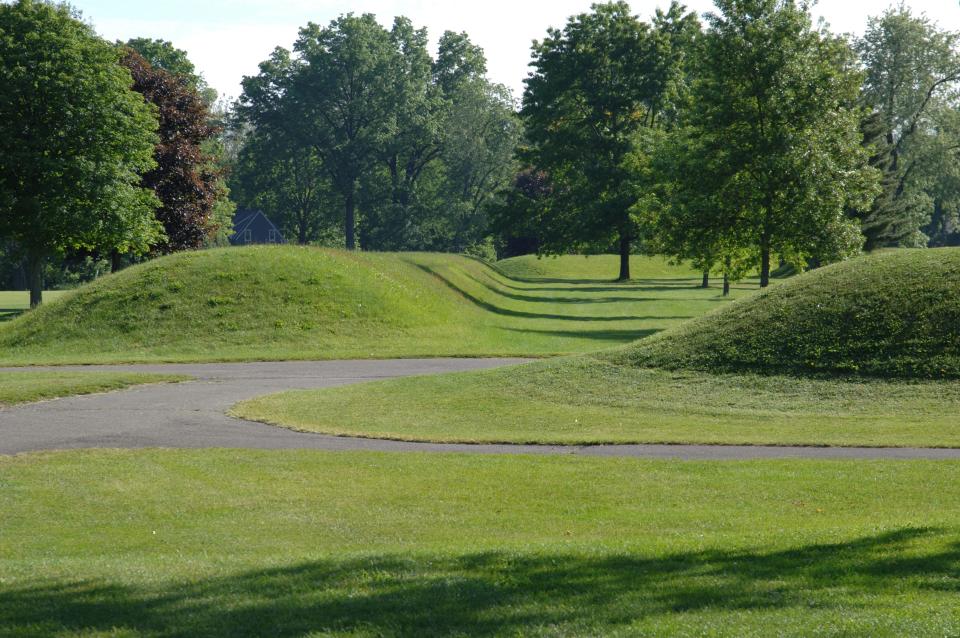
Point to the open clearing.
(232, 543)
(283, 303)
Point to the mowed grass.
(584, 400)
(229, 543)
(280, 303)
(890, 314)
(832, 357)
(15, 302)
(25, 387)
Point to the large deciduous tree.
(184, 179)
(74, 139)
(779, 144)
(912, 93)
(595, 86)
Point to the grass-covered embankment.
(25, 387)
(891, 314)
(229, 543)
(800, 364)
(277, 303)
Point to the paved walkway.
(192, 415)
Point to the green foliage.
(412, 163)
(162, 54)
(773, 160)
(74, 139)
(596, 86)
(912, 90)
(892, 314)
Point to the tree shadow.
(616, 336)
(7, 314)
(493, 593)
(491, 307)
(558, 300)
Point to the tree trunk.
(349, 222)
(726, 277)
(35, 260)
(624, 257)
(115, 261)
(706, 279)
(764, 260)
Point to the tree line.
(752, 141)
(743, 142)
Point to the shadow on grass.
(494, 288)
(613, 336)
(495, 593)
(6, 314)
(491, 307)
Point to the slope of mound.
(589, 267)
(307, 303)
(893, 314)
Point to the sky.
(227, 39)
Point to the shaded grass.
(227, 543)
(14, 303)
(280, 303)
(25, 387)
(590, 400)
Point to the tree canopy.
(74, 139)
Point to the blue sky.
(227, 39)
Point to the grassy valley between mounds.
(721, 378)
(277, 303)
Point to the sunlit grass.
(279, 303)
(230, 543)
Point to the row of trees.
(359, 133)
(101, 152)
(752, 139)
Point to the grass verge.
(27, 386)
(229, 543)
(584, 400)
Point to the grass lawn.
(24, 387)
(229, 543)
(588, 400)
(280, 303)
(14, 302)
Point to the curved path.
(192, 415)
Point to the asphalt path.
(192, 415)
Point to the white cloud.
(228, 39)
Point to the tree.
(774, 110)
(290, 187)
(73, 140)
(912, 92)
(337, 96)
(595, 86)
(162, 54)
(184, 178)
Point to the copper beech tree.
(185, 180)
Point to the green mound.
(281, 303)
(893, 314)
